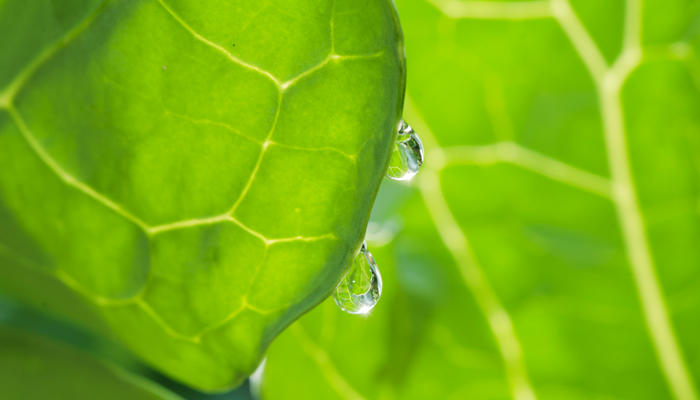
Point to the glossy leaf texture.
(33, 367)
(191, 176)
(549, 247)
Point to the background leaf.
(95, 349)
(549, 247)
(32, 367)
(191, 176)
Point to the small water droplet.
(407, 157)
(360, 289)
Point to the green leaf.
(191, 175)
(550, 245)
(32, 367)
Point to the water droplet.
(407, 157)
(360, 289)
(255, 380)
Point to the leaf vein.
(512, 153)
(329, 371)
(8, 94)
(506, 10)
(218, 47)
(609, 82)
(67, 178)
(457, 243)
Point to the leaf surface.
(192, 175)
(549, 246)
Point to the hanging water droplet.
(407, 157)
(360, 289)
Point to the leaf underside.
(191, 176)
(549, 247)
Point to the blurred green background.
(549, 248)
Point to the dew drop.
(407, 156)
(360, 289)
